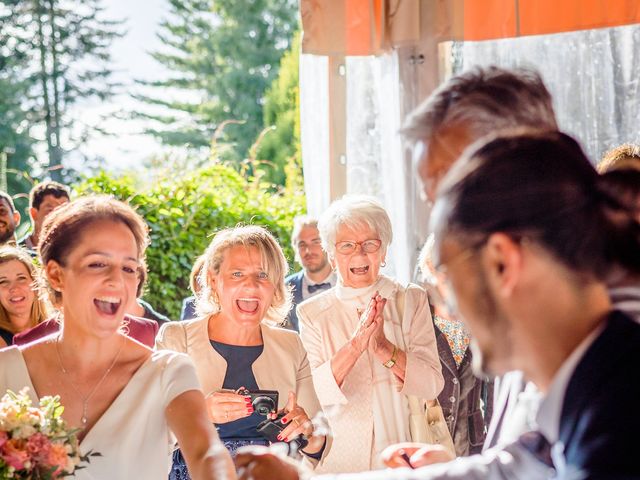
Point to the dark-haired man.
(9, 219)
(43, 199)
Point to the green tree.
(281, 146)
(65, 49)
(225, 54)
(183, 211)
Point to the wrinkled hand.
(227, 406)
(366, 325)
(414, 455)
(260, 463)
(298, 420)
(377, 340)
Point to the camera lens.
(263, 405)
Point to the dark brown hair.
(539, 185)
(62, 229)
(41, 190)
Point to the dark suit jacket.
(600, 419)
(142, 329)
(461, 399)
(295, 281)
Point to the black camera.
(263, 401)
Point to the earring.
(383, 264)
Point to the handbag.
(426, 419)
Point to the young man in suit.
(316, 274)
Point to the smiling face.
(309, 250)
(9, 220)
(48, 205)
(16, 294)
(358, 269)
(243, 287)
(99, 277)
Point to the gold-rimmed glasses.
(368, 246)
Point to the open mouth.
(107, 305)
(359, 270)
(248, 305)
(17, 299)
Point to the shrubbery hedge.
(184, 212)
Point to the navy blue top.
(7, 336)
(239, 374)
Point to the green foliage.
(282, 111)
(183, 212)
(225, 54)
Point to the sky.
(130, 59)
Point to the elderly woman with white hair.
(370, 339)
(239, 353)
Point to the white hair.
(354, 211)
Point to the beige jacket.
(369, 410)
(282, 366)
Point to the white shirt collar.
(548, 417)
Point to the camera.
(263, 401)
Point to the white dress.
(132, 435)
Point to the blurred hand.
(414, 455)
(260, 463)
(226, 406)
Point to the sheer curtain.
(593, 75)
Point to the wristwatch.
(392, 361)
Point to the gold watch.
(392, 361)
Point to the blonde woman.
(20, 305)
(234, 344)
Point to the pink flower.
(39, 446)
(58, 457)
(14, 454)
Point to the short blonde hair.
(354, 211)
(273, 260)
(623, 157)
(39, 308)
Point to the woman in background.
(20, 304)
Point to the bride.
(124, 398)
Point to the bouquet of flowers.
(35, 443)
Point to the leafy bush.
(184, 211)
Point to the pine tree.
(65, 45)
(225, 54)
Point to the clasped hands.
(369, 333)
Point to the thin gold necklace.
(85, 400)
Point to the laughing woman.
(20, 306)
(364, 366)
(123, 398)
(233, 345)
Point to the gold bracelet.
(392, 361)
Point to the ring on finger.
(295, 420)
(226, 414)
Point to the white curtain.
(314, 131)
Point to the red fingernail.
(279, 437)
(284, 420)
(286, 439)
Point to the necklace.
(85, 399)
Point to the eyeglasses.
(441, 282)
(368, 246)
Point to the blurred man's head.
(468, 107)
(43, 199)
(307, 245)
(9, 218)
(624, 157)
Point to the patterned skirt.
(179, 466)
